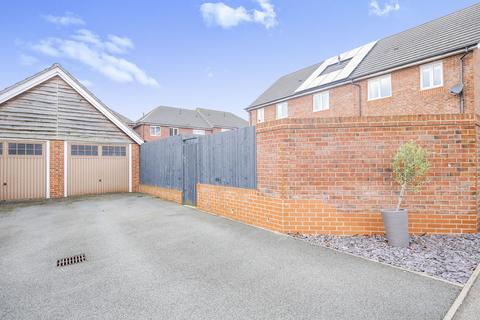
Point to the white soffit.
(356, 55)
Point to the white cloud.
(45, 46)
(90, 49)
(226, 17)
(210, 75)
(119, 44)
(26, 60)
(377, 9)
(66, 20)
(87, 36)
(267, 17)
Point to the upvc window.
(25, 149)
(155, 130)
(84, 150)
(173, 131)
(260, 115)
(282, 110)
(431, 75)
(199, 132)
(114, 151)
(321, 101)
(380, 87)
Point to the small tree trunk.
(401, 196)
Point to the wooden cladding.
(55, 111)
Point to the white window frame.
(324, 97)
(155, 134)
(431, 66)
(200, 132)
(261, 115)
(176, 130)
(379, 81)
(279, 110)
(225, 130)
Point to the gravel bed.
(452, 258)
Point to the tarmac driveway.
(147, 258)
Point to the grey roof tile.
(449, 33)
(174, 117)
(222, 119)
(286, 85)
(199, 118)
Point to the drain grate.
(71, 260)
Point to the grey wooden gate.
(190, 171)
(226, 159)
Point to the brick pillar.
(56, 169)
(135, 167)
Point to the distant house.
(164, 121)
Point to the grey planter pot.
(396, 227)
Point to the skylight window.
(335, 67)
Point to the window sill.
(320, 110)
(376, 99)
(430, 88)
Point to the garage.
(97, 169)
(58, 140)
(22, 170)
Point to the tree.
(410, 166)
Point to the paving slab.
(152, 259)
(470, 308)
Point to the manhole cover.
(71, 260)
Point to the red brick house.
(433, 68)
(326, 135)
(164, 122)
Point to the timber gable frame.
(54, 71)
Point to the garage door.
(22, 170)
(97, 169)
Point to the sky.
(136, 55)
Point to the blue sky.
(135, 55)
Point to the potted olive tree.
(410, 167)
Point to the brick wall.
(314, 216)
(162, 193)
(245, 205)
(333, 175)
(56, 169)
(406, 99)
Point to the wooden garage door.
(97, 169)
(22, 170)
